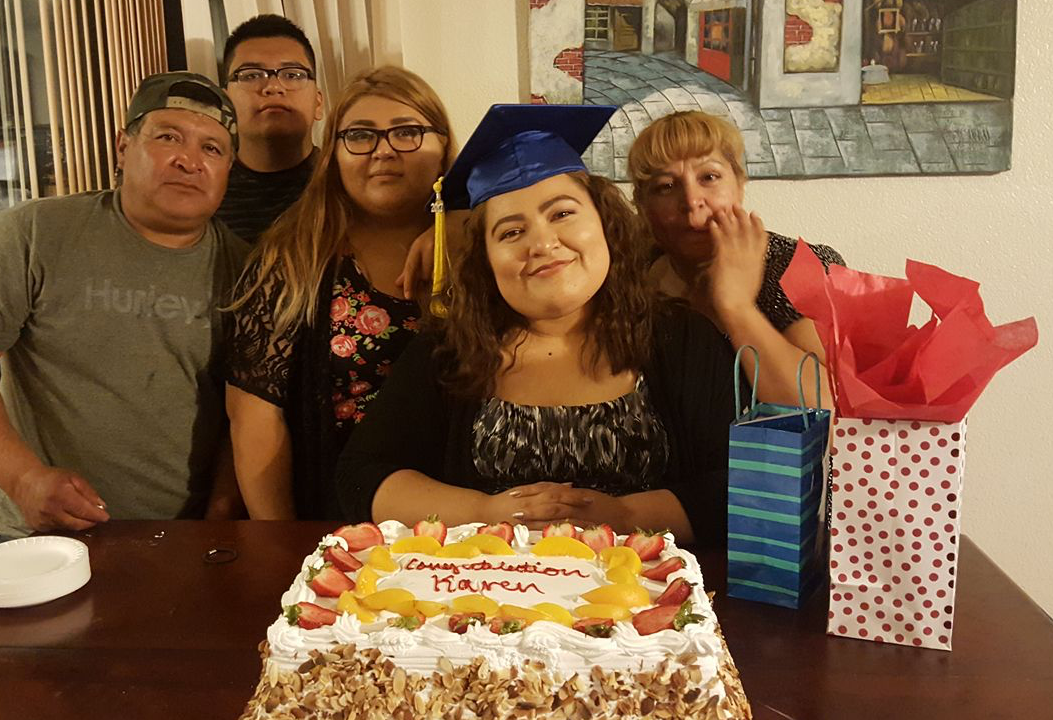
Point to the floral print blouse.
(369, 330)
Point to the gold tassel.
(439, 262)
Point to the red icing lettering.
(486, 565)
(447, 584)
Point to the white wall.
(995, 229)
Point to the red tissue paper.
(882, 367)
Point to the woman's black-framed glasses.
(290, 77)
(401, 138)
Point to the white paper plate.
(35, 570)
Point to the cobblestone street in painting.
(907, 139)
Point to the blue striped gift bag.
(775, 484)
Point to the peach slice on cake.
(475, 604)
(622, 574)
(489, 544)
(603, 610)
(514, 612)
(458, 550)
(431, 609)
(556, 613)
(619, 594)
(348, 604)
(420, 544)
(380, 558)
(621, 556)
(387, 599)
(557, 545)
(366, 582)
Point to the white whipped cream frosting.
(562, 649)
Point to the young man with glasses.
(269, 73)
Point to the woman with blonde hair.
(689, 182)
(319, 318)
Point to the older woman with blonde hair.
(319, 318)
(689, 183)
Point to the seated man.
(268, 71)
(112, 402)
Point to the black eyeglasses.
(290, 77)
(401, 138)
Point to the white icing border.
(562, 649)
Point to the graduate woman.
(558, 387)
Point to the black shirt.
(415, 424)
(254, 200)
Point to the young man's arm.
(48, 497)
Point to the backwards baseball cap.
(516, 146)
(183, 91)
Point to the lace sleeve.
(258, 359)
(771, 300)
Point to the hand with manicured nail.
(537, 504)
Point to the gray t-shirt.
(111, 345)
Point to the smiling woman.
(558, 388)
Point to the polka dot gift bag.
(894, 528)
(901, 394)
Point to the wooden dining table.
(169, 624)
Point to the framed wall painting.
(818, 88)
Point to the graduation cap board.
(514, 146)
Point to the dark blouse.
(416, 424)
(324, 376)
(617, 447)
(771, 300)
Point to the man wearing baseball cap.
(110, 399)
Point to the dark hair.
(480, 321)
(133, 128)
(263, 26)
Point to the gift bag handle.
(800, 386)
(756, 376)
(800, 383)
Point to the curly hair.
(481, 323)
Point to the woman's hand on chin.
(538, 504)
(740, 243)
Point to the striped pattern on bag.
(775, 478)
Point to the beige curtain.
(72, 67)
(347, 35)
(444, 41)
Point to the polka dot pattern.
(894, 530)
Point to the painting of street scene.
(818, 88)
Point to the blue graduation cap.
(516, 146)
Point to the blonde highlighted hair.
(296, 250)
(677, 137)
